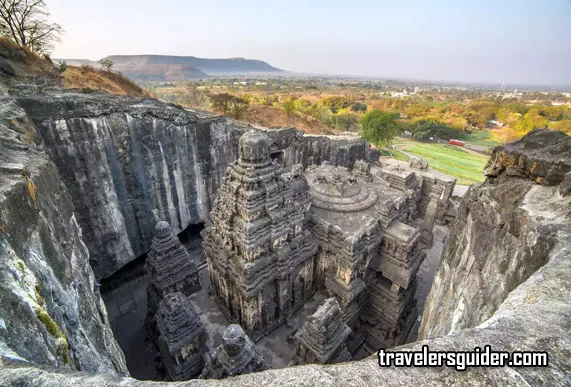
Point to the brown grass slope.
(17, 62)
(87, 77)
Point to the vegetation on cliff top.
(88, 77)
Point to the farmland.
(463, 164)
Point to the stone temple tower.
(323, 338)
(259, 251)
(182, 337)
(170, 269)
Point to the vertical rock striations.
(51, 312)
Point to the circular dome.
(162, 229)
(234, 339)
(254, 146)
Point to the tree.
(289, 106)
(26, 23)
(346, 122)
(563, 125)
(194, 97)
(531, 120)
(106, 63)
(221, 102)
(428, 127)
(380, 127)
(229, 104)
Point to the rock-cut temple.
(276, 237)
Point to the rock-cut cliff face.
(506, 229)
(529, 293)
(50, 309)
(129, 163)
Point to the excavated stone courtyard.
(126, 292)
(127, 306)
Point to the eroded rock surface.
(51, 312)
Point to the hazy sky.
(514, 41)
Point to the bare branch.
(26, 22)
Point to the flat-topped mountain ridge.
(179, 68)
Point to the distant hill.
(144, 68)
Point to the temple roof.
(347, 200)
(178, 322)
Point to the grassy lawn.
(396, 154)
(455, 161)
(480, 138)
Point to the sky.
(485, 41)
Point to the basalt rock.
(505, 231)
(129, 163)
(323, 338)
(181, 337)
(259, 250)
(542, 155)
(528, 288)
(237, 355)
(51, 312)
(170, 269)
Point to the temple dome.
(254, 146)
(234, 339)
(162, 229)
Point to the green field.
(480, 138)
(464, 165)
(397, 155)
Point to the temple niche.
(260, 253)
(237, 355)
(170, 269)
(181, 340)
(323, 338)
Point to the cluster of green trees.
(380, 127)
(423, 117)
(229, 104)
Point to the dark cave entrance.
(125, 297)
(278, 157)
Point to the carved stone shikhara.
(259, 250)
(274, 238)
(170, 269)
(323, 338)
(181, 340)
(237, 355)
